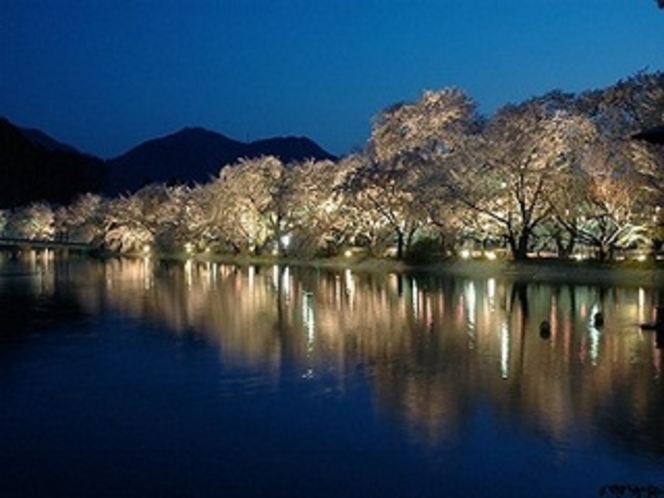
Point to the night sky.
(105, 75)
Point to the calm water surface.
(135, 378)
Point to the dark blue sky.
(104, 75)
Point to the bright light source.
(490, 255)
(465, 254)
(578, 257)
(285, 240)
(641, 257)
(146, 249)
(348, 253)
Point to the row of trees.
(558, 173)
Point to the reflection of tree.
(424, 379)
(432, 349)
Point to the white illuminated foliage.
(4, 216)
(366, 213)
(526, 155)
(434, 125)
(407, 142)
(184, 220)
(251, 202)
(316, 207)
(555, 173)
(141, 219)
(627, 107)
(83, 220)
(610, 202)
(613, 204)
(34, 222)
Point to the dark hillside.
(190, 155)
(38, 137)
(288, 149)
(33, 171)
(196, 155)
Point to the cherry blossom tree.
(407, 141)
(34, 222)
(609, 203)
(250, 200)
(125, 229)
(514, 171)
(611, 207)
(361, 223)
(83, 220)
(318, 225)
(4, 215)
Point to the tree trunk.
(519, 244)
(400, 244)
(565, 249)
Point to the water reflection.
(431, 348)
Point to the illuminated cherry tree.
(83, 220)
(555, 173)
(611, 206)
(407, 142)
(125, 229)
(252, 206)
(318, 224)
(34, 222)
(515, 171)
(611, 201)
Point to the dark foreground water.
(130, 378)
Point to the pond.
(141, 378)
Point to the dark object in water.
(658, 327)
(659, 320)
(598, 319)
(545, 329)
(659, 333)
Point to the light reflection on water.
(448, 363)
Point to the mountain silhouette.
(190, 155)
(38, 137)
(288, 149)
(35, 167)
(195, 155)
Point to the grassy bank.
(650, 274)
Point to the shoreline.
(625, 273)
(644, 274)
(573, 272)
